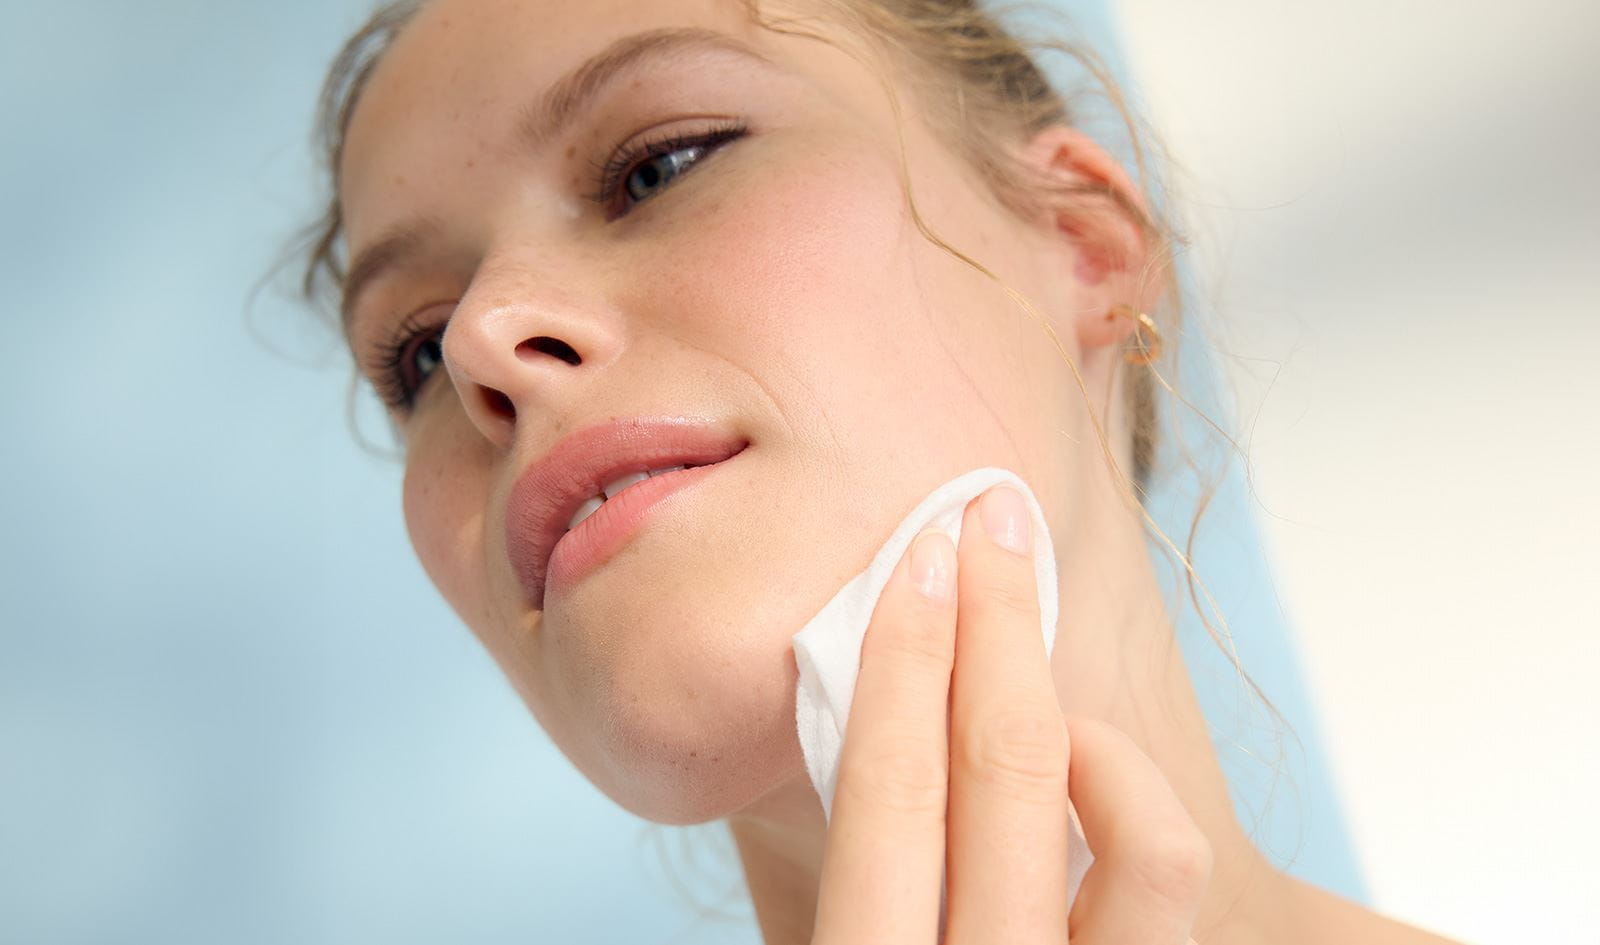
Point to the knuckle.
(904, 774)
(1174, 865)
(1020, 751)
(1013, 593)
(916, 643)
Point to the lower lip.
(601, 535)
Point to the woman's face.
(776, 287)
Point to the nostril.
(553, 346)
(499, 404)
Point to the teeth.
(584, 511)
(611, 489)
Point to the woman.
(783, 244)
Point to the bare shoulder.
(1337, 919)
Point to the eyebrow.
(542, 120)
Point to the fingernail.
(1005, 518)
(931, 560)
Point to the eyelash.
(391, 356)
(614, 172)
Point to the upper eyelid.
(635, 56)
(642, 147)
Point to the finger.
(1151, 862)
(885, 845)
(1008, 824)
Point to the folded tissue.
(828, 648)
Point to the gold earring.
(1142, 352)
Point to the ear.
(1103, 246)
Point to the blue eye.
(657, 171)
(429, 351)
(639, 172)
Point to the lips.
(548, 493)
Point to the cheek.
(444, 497)
(879, 349)
(806, 251)
(802, 272)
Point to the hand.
(1006, 762)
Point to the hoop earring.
(1142, 352)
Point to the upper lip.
(547, 494)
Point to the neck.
(1115, 658)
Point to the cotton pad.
(828, 648)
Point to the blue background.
(232, 707)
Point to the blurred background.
(1396, 209)
(232, 708)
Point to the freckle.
(716, 758)
(694, 754)
(472, 162)
(571, 150)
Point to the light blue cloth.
(232, 707)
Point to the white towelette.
(828, 648)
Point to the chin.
(685, 745)
(701, 774)
(677, 705)
(674, 687)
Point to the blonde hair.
(979, 83)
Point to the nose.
(518, 347)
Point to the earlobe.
(1124, 327)
(1100, 327)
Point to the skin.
(779, 285)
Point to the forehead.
(465, 47)
(459, 64)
